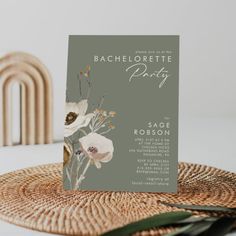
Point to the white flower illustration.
(76, 117)
(97, 147)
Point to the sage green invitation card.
(121, 113)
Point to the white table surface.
(208, 141)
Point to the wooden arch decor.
(35, 99)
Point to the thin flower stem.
(94, 121)
(72, 171)
(68, 175)
(80, 160)
(80, 89)
(99, 124)
(82, 176)
(101, 102)
(83, 158)
(83, 131)
(105, 132)
(90, 86)
(88, 92)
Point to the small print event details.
(121, 113)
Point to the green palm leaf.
(180, 230)
(220, 227)
(148, 223)
(200, 208)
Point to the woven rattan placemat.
(34, 198)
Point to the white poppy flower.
(97, 147)
(76, 117)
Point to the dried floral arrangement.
(92, 147)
